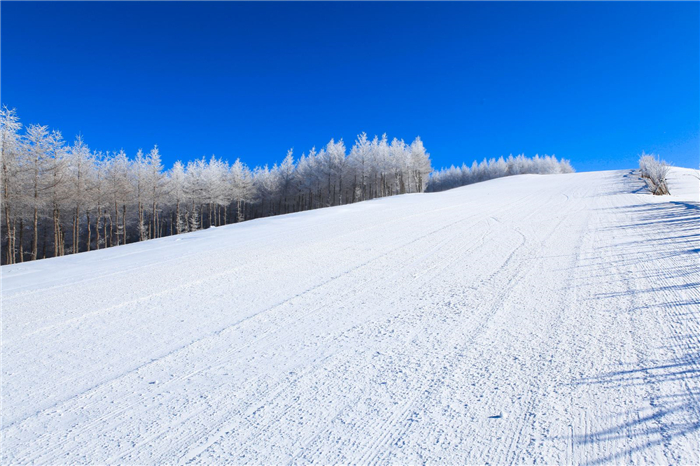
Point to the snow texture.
(534, 318)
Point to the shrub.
(654, 171)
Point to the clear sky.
(593, 82)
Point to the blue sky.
(593, 82)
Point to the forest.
(62, 198)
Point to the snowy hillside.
(535, 318)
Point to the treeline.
(60, 198)
(454, 177)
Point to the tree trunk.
(111, 229)
(35, 240)
(340, 191)
(21, 239)
(155, 219)
(177, 217)
(97, 227)
(89, 230)
(241, 212)
(56, 232)
(104, 227)
(116, 216)
(141, 225)
(43, 241)
(10, 254)
(75, 220)
(329, 188)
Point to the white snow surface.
(534, 318)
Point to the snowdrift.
(534, 318)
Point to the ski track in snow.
(529, 319)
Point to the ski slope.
(551, 318)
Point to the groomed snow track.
(548, 319)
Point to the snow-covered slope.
(527, 319)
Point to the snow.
(534, 318)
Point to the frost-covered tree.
(338, 162)
(157, 188)
(139, 181)
(419, 165)
(359, 161)
(382, 164)
(13, 180)
(119, 189)
(79, 164)
(46, 164)
(287, 181)
(195, 191)
(241, 187)
(309, 180)
(177, 195)
(266, 187)
(399, 164)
